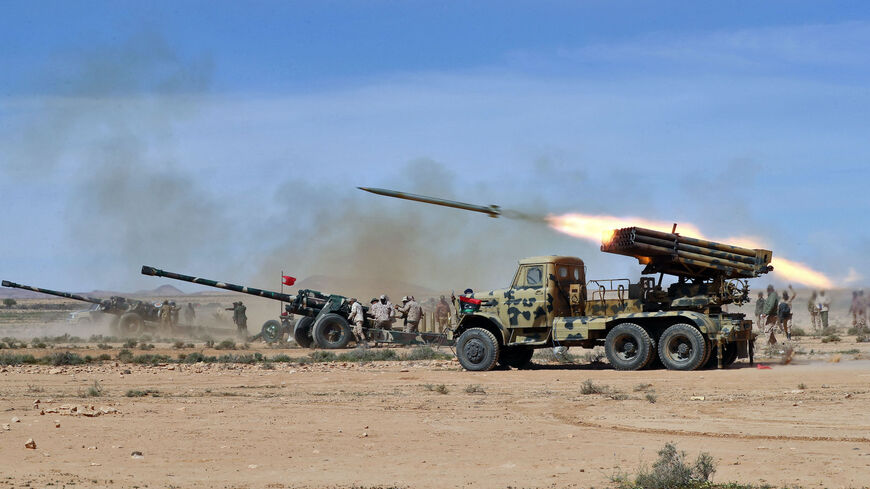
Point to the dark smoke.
(108, 131)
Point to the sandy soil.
(385, 424)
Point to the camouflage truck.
(685, 327)
(323, 317)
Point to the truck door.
(527, 306)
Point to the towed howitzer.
(130, 315)
(323, 316)
(323, 321)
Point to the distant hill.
(164, 290)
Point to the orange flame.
(593, 228)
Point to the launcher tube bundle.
(687, 257)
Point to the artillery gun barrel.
(268, 294)
(67, 295)
(490, 210)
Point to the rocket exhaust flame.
(595, 228)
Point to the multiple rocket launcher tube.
(680, 255)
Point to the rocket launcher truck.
(324, 316)
(684, 327)
(550, 303)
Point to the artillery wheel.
(331, 332)
(516, 356)
(302, 332)
(130, 324)
(114, 330)
(477, 350)
(682, 347)
(272, 331)
(628, 347)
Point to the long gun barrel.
(67, 295)
(278, 296)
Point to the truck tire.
(516, 356)
(272, 331)
(628, 347)
(130, 324)
(331, 332)
(682, 347)
(302, 332)
(477, 350)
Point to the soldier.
(241, 320)
(771, 303)
(783, 314)
(442, 314)
(854, 306)
(165, 314)
(812, 308)
(759, 311)
(189, 314)
(412, 312)
(173, 314)
(357, 317)
(381, 314)
(862, 309)
(824, 304)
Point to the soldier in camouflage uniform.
(189, 314)
(381, 314)
(813, 309)
(412, 312)
(771, 305)
(165, 314)
(759, 311)
(442, 314)
(357, 318)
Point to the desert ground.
(423, 423)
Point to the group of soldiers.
(168, 314)
(775, 312)
(382, 313)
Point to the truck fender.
(488, 322)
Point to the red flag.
(288, 280)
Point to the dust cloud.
(378, 244)
(108, 134)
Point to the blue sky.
(226, 138)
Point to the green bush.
(672, 471)
(831, 339)
(125, 355)
(424, 353)
(226, 345)
(65, 358)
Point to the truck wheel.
(331, 332)
(302, 332)
(130, 324)
(682, 347)
(628, 347)
(272, 331)
(516, 356)
(477, 350)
